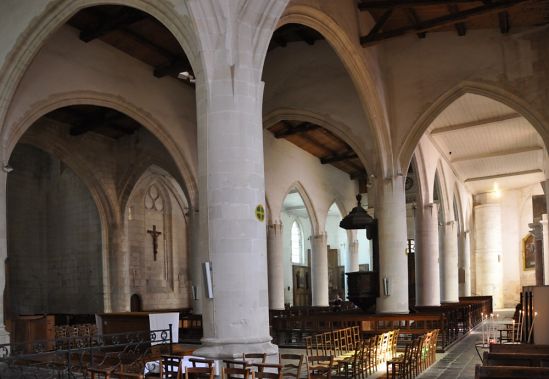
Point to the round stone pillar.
(466, 240)
(449, 280)
(4, 335)
(427, 256)
(353, 257)
(545, 231)
(488, 252)
(232, 229)
(393, 261)
(275, 255)
(196, 257)
(319, 271)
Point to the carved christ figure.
(154, 234)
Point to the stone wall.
(54, 237)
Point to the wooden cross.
(154, 233)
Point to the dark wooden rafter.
(384, 4)
(92, 121)
(177, 65)
(504, 23)
(375, 36)
(461, 29)
(414, 19)
(126, 16)
(345, 156)
(359, 175)
(298, 129)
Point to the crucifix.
(154, 233)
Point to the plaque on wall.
(529, 252)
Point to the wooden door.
(302, 285)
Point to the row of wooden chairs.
(78, 330)
(171, 367)
(418, 355)
(340, 342)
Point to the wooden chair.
(400, 366)
(267, 371)
(254, 357)
(291, 365)
(234, 372)
(199, 372)
(232, 365)
(320, 366)
(171, 366)
(100, 373)
(201, 361)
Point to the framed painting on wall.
(529, 252)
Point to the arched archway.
(353, 60)
(489, 90)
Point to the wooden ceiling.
(291, 33)
(321, 143)
(399, 17)
(81, 119)
(136, 33)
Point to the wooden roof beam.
(504, 24)
(414, 19)
(359, 175)
(504, 175)
(460, 26)
(366, 5)
(298, 129)
(339, 157)
(439, 22)
(476, 123)
(176, 66)
(125, 17)
(497, 154)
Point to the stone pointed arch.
(57, 12)
(338, 128)
(425, 195)
(315, 228)
(490, 90)
(363, 77)
(13, 135)
(459, 206)
(343, 212)
(445, 201)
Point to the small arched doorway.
(135, 303)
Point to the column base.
(219, 349)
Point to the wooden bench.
(519, 348)
(515, 359)
(510, 372)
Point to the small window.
(297, 243)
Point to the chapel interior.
(198, 157)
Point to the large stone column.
(275, 255)
(393, 261)
(4, 335)
(466, 240)
(427, 256)
(488, 263)
(232, 187)
(319, 270)
(537, 232)
(449, 280)
(353, 256)
(545, 226)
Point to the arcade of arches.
(139, 138)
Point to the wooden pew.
(519, 348)
(510, 372)
(515, 359)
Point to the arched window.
(297, 243)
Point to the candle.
(532, 327)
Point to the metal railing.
(71, 356)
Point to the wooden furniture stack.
(514, 361)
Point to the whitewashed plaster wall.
(96, 69)
(323, 183)
(513, 67)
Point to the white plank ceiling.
(488, 144)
